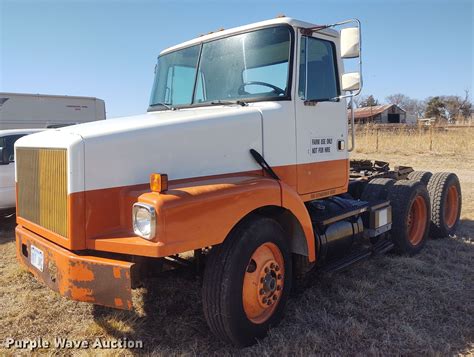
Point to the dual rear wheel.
(446, 200)
(248, 277)
(410, 204)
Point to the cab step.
(381, 247)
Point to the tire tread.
(436, 189)
(422, 176)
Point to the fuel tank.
(337, 239)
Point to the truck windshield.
(248, 66)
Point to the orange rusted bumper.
(83, 278)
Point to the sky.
(108, 49)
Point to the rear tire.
(410, 216)
(377, 189)
(446, 201)
(247, 281)
(422, 176)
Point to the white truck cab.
(7, 165)
(243, 159)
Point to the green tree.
(369, 101)
(435, 108)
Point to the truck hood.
(184, 143)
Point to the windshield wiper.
(166, 105)
(229, 102)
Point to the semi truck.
(34, 111)
(240, 167)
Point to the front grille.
(42, 187)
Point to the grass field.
(386, 305)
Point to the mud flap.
(97, 280)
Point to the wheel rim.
(417, 220)
(263, 283)
(452, 206)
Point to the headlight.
(144, 220)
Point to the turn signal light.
(158, 182)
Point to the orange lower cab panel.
(91, 279)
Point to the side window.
(318, 74)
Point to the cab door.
(321, 120)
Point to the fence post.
(376, 139)
(431, 138)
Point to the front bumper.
(97, 280)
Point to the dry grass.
(410, 140)
(386, 305)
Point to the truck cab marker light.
(159, 182)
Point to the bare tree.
(398, 99)
(457, 107)
(410, 105)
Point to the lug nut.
(272, 266)
(275, 297)
(277, 268)
(269, 302)
(262, 292)
(264, 300)
(278, 287)
(279, 276)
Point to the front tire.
(247, 281)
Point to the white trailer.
(30, 111)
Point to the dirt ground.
(386, 305)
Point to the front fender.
(201, 213)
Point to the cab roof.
(222, 33)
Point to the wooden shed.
(379, 114)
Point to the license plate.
(37, 258)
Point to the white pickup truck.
(7, 166)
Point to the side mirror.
(4, 156)
(351, 81)
(350, 42)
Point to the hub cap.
(417, 220)
(263, 283)
(452, 206)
